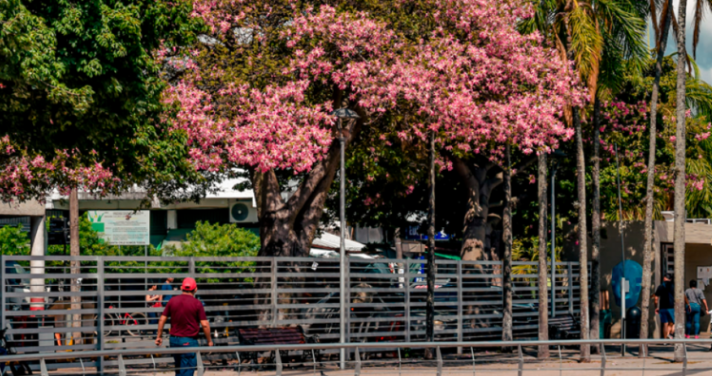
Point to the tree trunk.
(507, 256)
(474, 177)
(596, 228)
(288, 226)
(76, 301)
(680, 217)
(582, 236)
(650, 185)
(543, 352)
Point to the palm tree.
(590, 33)
(661, 42)
(679, 231)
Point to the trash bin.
(632, 324)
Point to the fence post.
(460, 335)
(347, 300)
(357, 363)
(571, 287)
(278, 362)
(3, 295)
(439, 357)
(100, 311)
(684, 360)
(273, 290)
(199, 364)
(191, 267)
(406, 286)
(603, 360)
(521, 361)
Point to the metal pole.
(342, 249)
(3, 303)
(100, 299)
(553, 239)
(430, 300)
(620, 225)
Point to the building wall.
(698, 252)
(699, 255)
(611, 256)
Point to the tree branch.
(466, 174)
(524, 165)
(321, 170)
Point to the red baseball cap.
(188, 284)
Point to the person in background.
(665, 303)
(167, 287)
(187, 317)
(694, 301)
(153, 301)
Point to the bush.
(13, 241)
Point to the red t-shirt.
(185, 312)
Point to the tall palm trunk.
(583, 250)
(596, 227)
(679, 233)
(543, 352)
(648, 240)
(507, 259)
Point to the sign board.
(121, 227)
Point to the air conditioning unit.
(242, 212)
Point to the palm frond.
(544, 11)
(699, 13)
(586, 43)
(698, 95)
(626, 22)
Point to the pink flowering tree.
(258, 95)
(624, 124)
(260, 88)
(483, 86)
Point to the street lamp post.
(341, 114)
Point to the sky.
(704, 47)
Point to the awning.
(333, 242)
(449, 257)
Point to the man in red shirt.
(187, 316)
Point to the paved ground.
(488, 363)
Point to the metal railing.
(386, 299)
(444, 362)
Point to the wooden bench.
(278, 336)
(564, 327)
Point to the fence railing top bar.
(329, 346)
(280, 260)
(54, 258)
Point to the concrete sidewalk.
(659, 363)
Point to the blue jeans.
(185, 363)
(692, 325)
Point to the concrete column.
(172, 219)
(38, 237)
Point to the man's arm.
(655, 298)
(159, 335)
(206, 330)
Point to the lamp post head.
(345, 113)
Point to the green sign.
(121, 227)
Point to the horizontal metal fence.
(508, 357)
(386, 299)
